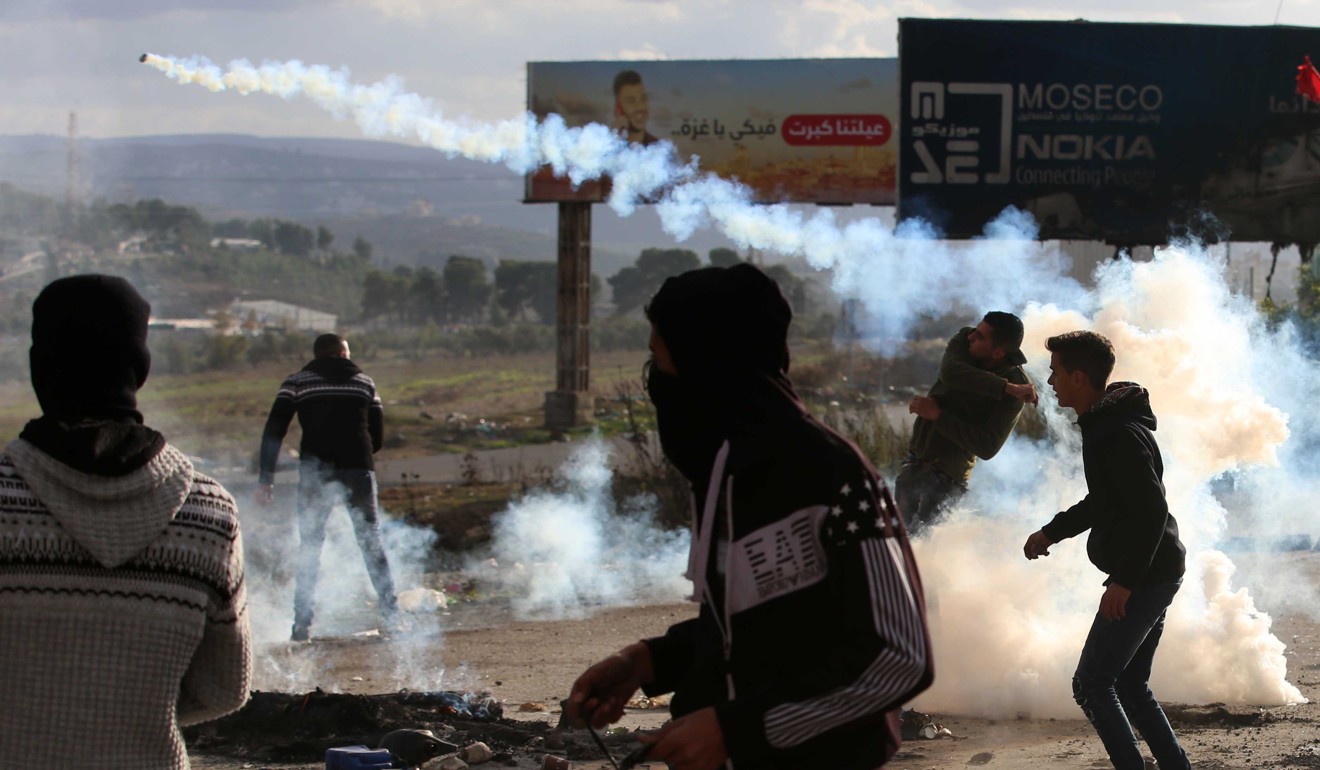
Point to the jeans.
(921, 492)
(1111, 681)
(319, 487)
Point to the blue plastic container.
(358, 758)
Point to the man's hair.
(1087, 352)
(327, 345)
(1005, 329)
(626, 78)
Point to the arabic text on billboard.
(802, 131)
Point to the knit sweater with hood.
(812, 631)
(122, 608)
(1134, 538)
(340, 413)
(122, 611)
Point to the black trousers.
(922, 493)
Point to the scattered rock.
(643, 702)
(476, 753)
(452, 763)
(981, 759)
(530, 706)
(422, 600)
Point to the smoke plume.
(920, 276)
(1008, 632)
(561, 553)
(1232, 397)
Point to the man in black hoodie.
(1134, 540)
(812, 628)
(343, 426)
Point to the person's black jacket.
(812, 628)
(341, 416)
(1134, 538)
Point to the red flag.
(1308, 80)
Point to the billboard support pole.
(570, 404)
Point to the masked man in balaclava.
(811, 631)
(122, 609)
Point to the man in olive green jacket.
(969, 413)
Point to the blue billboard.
(1126, 133)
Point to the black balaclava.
(726, 330)
(89, 348)
(89, 358)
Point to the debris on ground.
(301, 727)
(915, 724)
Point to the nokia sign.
(1117, 132)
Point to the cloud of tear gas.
(562, 553)
(1228, 393)
(346, 604)
(1008, 632)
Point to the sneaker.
(301, 633)
(395, 624)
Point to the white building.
(273, 314)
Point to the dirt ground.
(535, 662)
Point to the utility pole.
(71, 164)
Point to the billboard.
(1128, 133)
(799, 131)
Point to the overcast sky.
(469, 55)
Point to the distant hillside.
(411, 202)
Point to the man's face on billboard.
(631, 103)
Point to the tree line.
(524, 291)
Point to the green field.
(219, 415)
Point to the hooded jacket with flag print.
(1134, 538)
(812, 627)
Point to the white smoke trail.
(920, 276)
(1007, 632)
(562, 554)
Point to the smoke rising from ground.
(1008, 632)
(345, 602)
(1232, 397)
(561, 553)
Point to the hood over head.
(89, 351)
(721, 322)
(726, 330)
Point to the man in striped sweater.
(812, 628)
(122, 607)
(342, 427)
